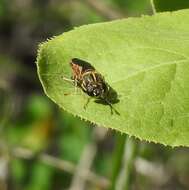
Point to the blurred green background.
(45, 148)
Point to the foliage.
(44, 147)
(142, 60)
(170, 5)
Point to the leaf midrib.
(149, 69)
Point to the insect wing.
(77, 71)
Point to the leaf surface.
(146, 60)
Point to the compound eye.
(96, 92)
(89, 88)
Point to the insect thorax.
(93, 84)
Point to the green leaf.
(170, 5)
(146, 60)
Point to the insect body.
(94, 85)
(91, 82)
(88, 79)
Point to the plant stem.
(104, 10)
(129, 162)
(123, 181)
(117, 158)
(153, 6)
(63, 165)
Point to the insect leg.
(88, 100)
(112, 108)
(68, 80)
